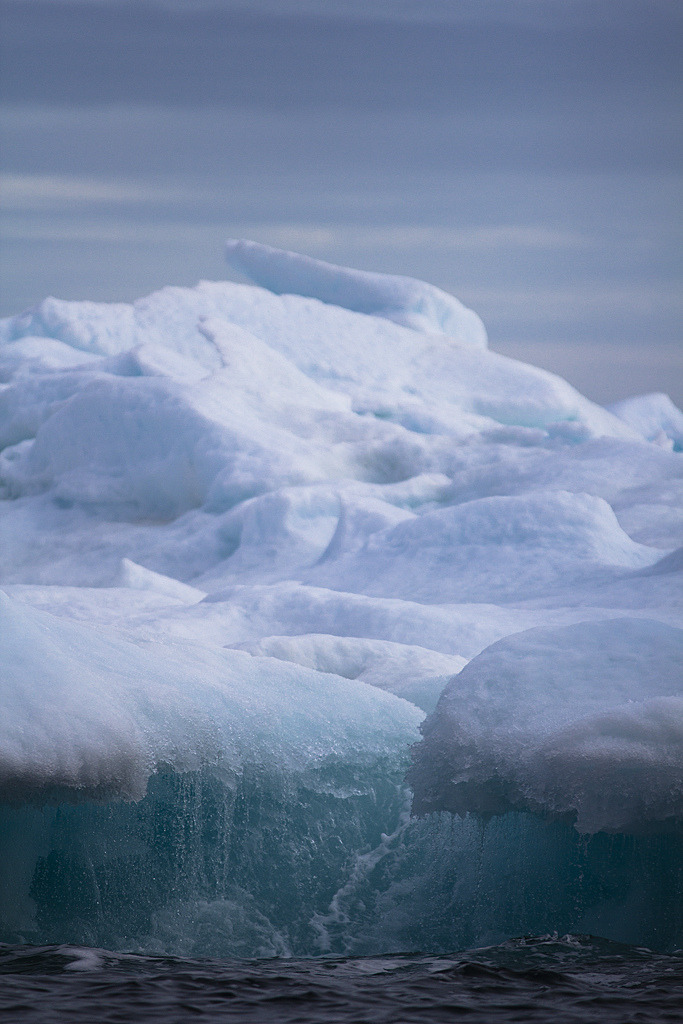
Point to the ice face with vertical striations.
(252, 535)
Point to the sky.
(522, 154)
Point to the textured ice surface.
(655, 417)
(415, 673)
(91, 715)
(251, 535)
(585, 721)
(492, 548)
(402, 299)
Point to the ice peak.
(405, 300)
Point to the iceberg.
(255, 538)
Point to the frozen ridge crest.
(253, 537)
(401, 299)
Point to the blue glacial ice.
(256, 537)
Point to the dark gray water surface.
(569, 980)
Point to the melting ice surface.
(256, 538)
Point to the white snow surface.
(327, 481)
(585, 720)
(402, 299)
(92, 715)
(654, 416)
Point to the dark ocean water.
(568, 980)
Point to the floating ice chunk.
(414, 673)
(362, 503)
(654, 416)
(584, 721)
(89, 715)
(365, 506)
(402, 299)
(500, 547)
(138, 578)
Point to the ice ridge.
(401, 299)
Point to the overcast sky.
(523, 155)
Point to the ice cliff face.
(251, 535)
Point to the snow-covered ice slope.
(250, 536)
(585, 720)
(92, 716)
